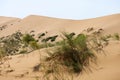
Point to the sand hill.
(54, 25)
(108, 67)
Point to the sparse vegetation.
(12, 43)
(72, 54)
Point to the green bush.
(34, 45)
(11, 43)
(27, 38)
(72, 53)
(116, 36)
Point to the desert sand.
(108, 64)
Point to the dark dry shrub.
(54, 38)
(41, 35)
(32, 31)
(36, 67)
(43, 40)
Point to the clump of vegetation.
(74, 53)
(29, 40)
(116, 36)
(34, 45)
(12, 43)
(17, 43)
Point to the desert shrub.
(74, 53)
(48, 41)
(34, 45)
(54, 38)
(11, 43)
(116, 36)
(30, 41)
(27, 38)
(14, 43)
(41, 35)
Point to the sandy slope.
(108, 67)
(53, 25)
(7, 22)
(5, 19)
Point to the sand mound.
(55, 25)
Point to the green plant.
(34, 45)
(27, 38)
(11, 43)
(72, 53)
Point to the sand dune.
(108, 67)
(55, 25)
(6, 19)
(7, 22)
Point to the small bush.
(27, 38)
(34, 45)
(116, 36)
(11, 43)
(72, 53)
